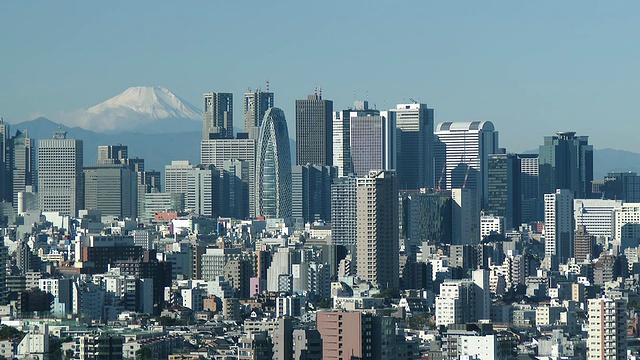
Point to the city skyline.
(528, 65)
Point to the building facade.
(314, 131)
(217, 116)
(566, 162)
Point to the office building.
(22, 164)
(464, 301)
(558, 227)
(217, 116)
(623, 186)
(344, 211)
(626, 219)
(314, 131)
(235, 194)
(531, 202)
(175, 176)
(311, 193)
(5, 166)
(461, 154)
(345, 335)
(216, 152)
(597, 216)
(112, 189)
(256, 104)
(60, 186)
(566, 162)
(607, 334)
(377, 229)
(373, 143)
(307, 344)
(428, 217)
(504, 188)
(465, 217)
(414, 123)
(203, 191)
(273, 167)
(342, 135)
(112, 154)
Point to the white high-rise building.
(597, 216)
(607, 329)
(175, 176)
(558, 226)
(60, 185)
(627, 225)
(461, 153)
(491, 225)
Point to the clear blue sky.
(531, 67)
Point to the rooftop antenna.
(267, 85)
(354, 94)
(320, 92)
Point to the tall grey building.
(504, 188)
(216, 152)
(311, 193)
(461, 152)
(414, 123)
(377, 224)
(175, 176)
(255, 105)
(273, 167)
(531, 203)
(60, 186)
(235, 194)
(342, 135)
(22, 164)
(344, 211)
(314, 131)
(373, 143)
(428, 218)
(112, 189)
(217, 116)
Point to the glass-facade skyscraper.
(314, 131)
(504, 188)
(566, 162)
(273, 167)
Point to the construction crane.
(444, 169)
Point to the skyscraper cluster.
(387, 225)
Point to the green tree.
(144, 353)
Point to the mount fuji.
(150, 110)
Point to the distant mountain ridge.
(144, 109)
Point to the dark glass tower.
(504, 188)
(566, 162)
(314, 131)
(217, 116)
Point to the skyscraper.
(175, 176)
(216, 152)
(462, 151)
(256, 104)
(607, 321)
(273, 167)
(428, 217)
(415, 138)
(5, 166)
(112, 189)
(60, 186)
(344, 211)
(342, 135)
(203, 191)
(22, 164)
(112, 154)
(504, 188)
(622, 186)
(236, 189)
(558, 227)
(217, 116)
(465, 217)
(377, 224)
(529, 179)
(373, 143)
(314, 131)
(566, 162)
(311, 193)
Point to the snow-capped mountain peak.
(154, 102)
